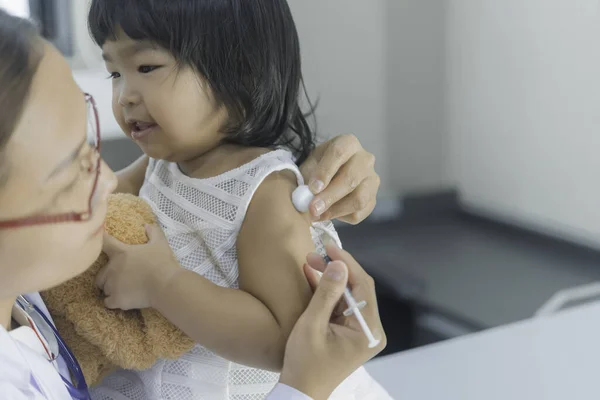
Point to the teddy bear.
(104, 340)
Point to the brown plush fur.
(103, 340)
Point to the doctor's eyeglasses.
(90, 168)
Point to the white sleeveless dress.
(201, 219)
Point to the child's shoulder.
(246, 155)
(275, 179)
(271, 211)
(262, 177)
(274, 197)
(274, 182)
(227, 158)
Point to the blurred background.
(484, 118)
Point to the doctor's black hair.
(20, 57)
(248, 51)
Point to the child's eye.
(146, 69)
(114, 75)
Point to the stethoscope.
(55, 346)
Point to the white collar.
(36, 300)
(24, 313)
(24, 366)
(26, 336)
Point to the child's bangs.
(107, 18)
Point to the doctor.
(53, 200)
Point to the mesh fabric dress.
(201, 219)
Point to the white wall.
(87, 54)
(343, 44)
(417, 141)
(19, 8)
(523, 111)
(89, 71)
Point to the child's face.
(167, 109)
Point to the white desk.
(552, 358)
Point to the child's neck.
(219, 160)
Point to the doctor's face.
(49, 169)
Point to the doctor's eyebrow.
(67, 161)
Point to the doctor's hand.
(341, 174)
(325, 347)
(135, 273)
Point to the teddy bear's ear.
(127, 217)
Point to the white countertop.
(550, 358)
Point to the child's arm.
(250, 326)
(272, 247)
(132, 177)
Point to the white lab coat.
(26, 374)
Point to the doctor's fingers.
(313, 278)
(357, 276)
(327, 296)
(362, 287)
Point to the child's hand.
(135, 273)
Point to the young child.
(209, 89)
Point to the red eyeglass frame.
(71, 216)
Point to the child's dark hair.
(247, 50)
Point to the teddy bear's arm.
(122, 339)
